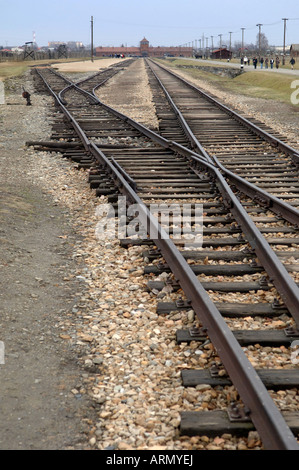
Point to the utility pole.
(212, 44)
(220, 45)
(242, 51)
(284, 40)
(91, 39)
(230, 40)
(259, 25)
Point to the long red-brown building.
(144, 50)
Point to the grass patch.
(266, 85)
(11, 69)
(14, 69)
(194, 63)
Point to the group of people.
(267, 62)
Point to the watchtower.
(144, 47)
(29, 51)
(62, 51)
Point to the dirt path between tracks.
(41, 404)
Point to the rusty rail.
(260, 407)
(250, 125)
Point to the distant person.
(277, 62)
(266, 63)
(255, 62)
(292, 62)
(271, 63)
(245, 60)
(262, 62)
(248, 61)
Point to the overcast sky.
(162, 22)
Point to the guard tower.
(29, 51)
(144, 47)
(62, 51)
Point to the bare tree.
(262, 43)
(249, 49)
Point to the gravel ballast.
(105, 358)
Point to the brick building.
(144, 50)
(222, 53)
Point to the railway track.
(249, 149)
(60, 82)
(239, 257)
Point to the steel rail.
(280, 277)
(278, 274)
(282, 280)
(290, 213)
(60, 75)
(280, 207)
(189, 134)
(274, 141)
(80, 82)
(263, 412)
(116, 68)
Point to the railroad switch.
(27, 95)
